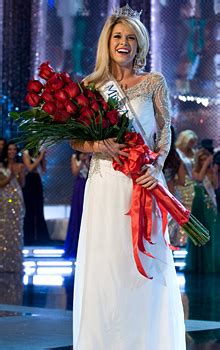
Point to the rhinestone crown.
(127, 12)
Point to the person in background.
(207, 144)
(35, 227)
(216, 161)
(2, 145)
(174, 173)
(11, 209)
(185, 146)
(204, 208)
(80, 168)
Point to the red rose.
(55, 83)
(113, 117)
(86, 112)
(47, 96)
(70, 107)
(82, 101)
(104, 105)
(90, 94)
(61, 116)
(72, 89)
(105, 122)
(49, 108)
(34, 85)
(65, 77)
(85, 120)
(98, 96)
(60, 105)
(61, 95)
(46, 71)
(33, 99)
(94, 105)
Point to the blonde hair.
(184, 138)
(102, 71)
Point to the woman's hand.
(42, 154)
(112, 148)
(149, 179)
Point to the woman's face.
(123, 45)
(12, 151)
(192, 143)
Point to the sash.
(142, 201)
(210, 190)
(186, 161)
(111, 89)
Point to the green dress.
(204, 259)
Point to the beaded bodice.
(149, 100)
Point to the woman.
(185, 146)
(35, 227)
(80, 168)
(12, 210)
(2, 145)
(115, 307)
(204, 208)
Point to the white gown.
(115, 307)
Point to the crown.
(127, 12)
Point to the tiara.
(127, 12)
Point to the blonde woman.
(185, 146)
(115, 307)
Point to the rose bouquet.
(64, 110)
(139, 155)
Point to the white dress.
(115, 307)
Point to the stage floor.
(36, 308)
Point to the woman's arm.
(75, 165)
(181, 175)
(5, 180)
(161, 104)
(199, 175)
(109, 147)
(27, 161)
(21, 175)
(161, 107)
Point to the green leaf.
(113, 103)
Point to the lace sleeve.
(162, 115)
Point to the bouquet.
(65, 110)
(139, 155)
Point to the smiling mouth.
(123, 51)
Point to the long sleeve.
(162, 114)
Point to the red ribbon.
(142, 199)
(141, 204)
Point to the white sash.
(112, 90)
(210, 190)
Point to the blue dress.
(72, 237)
